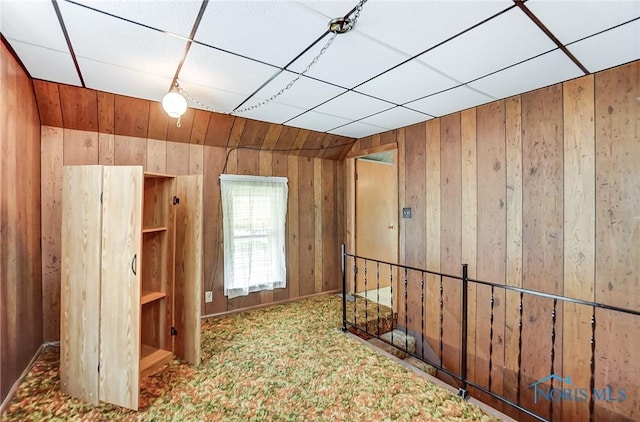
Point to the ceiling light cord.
(347, 23)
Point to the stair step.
(399, 339)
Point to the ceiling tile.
(357, 130)
(351, 60)
(272, 112)
(44, 63)
(102, 38)
(545, 70)
(273, 32)
(595, 53)
(573, 20)
(428, 22)
(407, 82)
(175, 16)
(120, 80)
(306, 92)
(317, 121)
(33, 22)
(506, 40)
(396, 117)
(216, 69)
(450, 101)
(352, 105)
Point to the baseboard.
(7, 400)
(266, 305)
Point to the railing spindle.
(378, 295)
(391, 292)
(491, 336)
(441, 320)
(406, 313)
(355, 283)
(520, 309)
(592, 381)
(553, 351)
(366, 300)
(422, 314)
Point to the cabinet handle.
(133, 264)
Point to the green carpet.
(286, 362)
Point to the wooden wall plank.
(196, 159)
(469, 217)
(265, 168)
(253, 134)
(286, 166)
(318, 214)
(451, 234)
(106, 149)
(48, 97)
(81, 147)
(542, 227)
(219, 130)
(21, 315)
(330, 227)
(513, 270)
(617, 265)
(159, 122)
(182, 133)
(156, 156)
(236, 131)
(286, 138)
(402, 198)
(306, 227)
(492, 236)
(579, 233)
(200, 125)
(130, 151)
(433, 215)
(177, 158)
(131, 117)
(106, 112)
(271, 137)
(52, 147)
(79, 108)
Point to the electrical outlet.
(208, 297)
(406, 213)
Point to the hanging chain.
(323, 50)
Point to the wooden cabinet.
(131, 277)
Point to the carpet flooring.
(286, 363)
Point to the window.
(254, 210)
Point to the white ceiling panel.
(396, 117)
(317, 121)
(217, 100)
(351, 60)
(99, 37)
(209, 67)
(447, 102)
(44, 63)
(542, 71)
(501, 42)
(573, 20)
(352, 105)
(123, 81)
(175, 16)
(428, 22)
(273, 32)
(272, 112)
(595, 52)
(34, 22)
(407, 82)
(306, 92)
(357, 130)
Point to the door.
(120, 287)
(376, 221)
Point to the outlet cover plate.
(406, 213)
(208, 297)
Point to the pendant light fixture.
(174, 104)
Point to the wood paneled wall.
(20, 274)
(540, 190)
(84, 109)
(314, 225)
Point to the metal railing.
(531, 304)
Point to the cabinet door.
(80, 284)
(188, 268)
(120, 290)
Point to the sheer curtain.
(254, 210)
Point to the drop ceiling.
(403, 63)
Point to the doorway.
(376, 223)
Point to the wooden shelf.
(151, 296)
(154, 230)
(149, 174)
(152, 358)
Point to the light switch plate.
(208, 297)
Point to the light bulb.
(174, 104)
